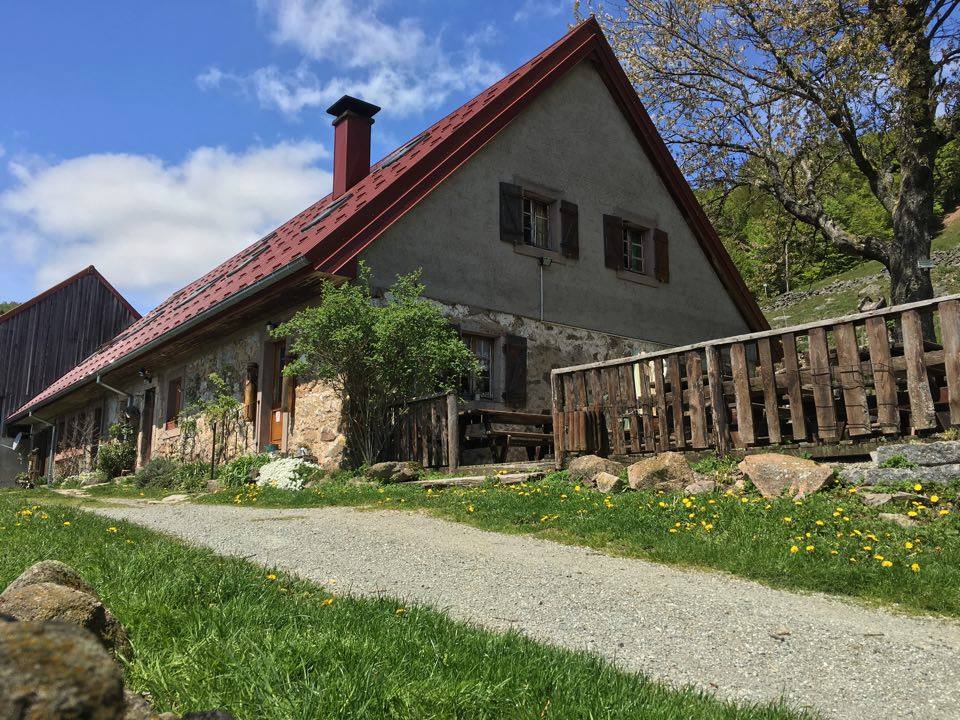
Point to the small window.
(174, 401)
(635, 250)
(479, 385)
(536, 225)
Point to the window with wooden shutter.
(511, 213)
(515, 365)
(569, 230)
(613, 242)
(661, 250)
(174, 400)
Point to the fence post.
(559, 420)
(453, 432)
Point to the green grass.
(747, 536)
(216, 632)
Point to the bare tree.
(774, 93)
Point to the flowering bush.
(94, 477)
(287, 473)
(240, 471)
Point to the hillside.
(840, 294)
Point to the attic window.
(635, 249)
(327, 211)
(536, 223)
(401, 151)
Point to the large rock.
(52, 571)
(667, 471)
(774, 474)
(608, 483)
(46, 602)
(56, 671)
(583, 470)
(874, 499)
(933, 475)
(944, 452)
(898, 519)
(394, 472)
(700, 487)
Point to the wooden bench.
(533, 431)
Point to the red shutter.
(515, 353)
(613, 242)
(569, 230)
(661, 253)
(511, 213)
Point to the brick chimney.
(351, 142)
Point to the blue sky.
(155, 139)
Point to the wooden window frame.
(470, 382)
(645, 245)
(174, 399)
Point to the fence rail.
(886, 372)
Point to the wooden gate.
(851, 379)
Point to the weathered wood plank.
(646, 407)
(698, 411)
(660, 396)
(950, 332)
(884, 381)
(851, 380)
(718, 404)
(741, 392)
(922, 415)
(611, 382)
(819, 357)
(628, 391)
(791, 368)
(676, 401)
(771, 406)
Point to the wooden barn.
(40, 340)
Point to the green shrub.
(897, 461)
(237, 472)
(115, 457)
(716, 465)
(193, 476)
(94, 477)
(164, 473)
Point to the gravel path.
(738, 638)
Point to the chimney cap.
(348, 104)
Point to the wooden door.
(276, 394)
(146, 425)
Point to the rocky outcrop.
(871, 475)
(930, 454)
(54, 671)
(584, 469)
(700, 487)
(394, 472)
(609, 483)
(875, 499)
(667, 471)
(774, 474)
(898, 519)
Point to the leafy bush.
(94, 477)
(238, 472)
(115, 457)
(897, 461)
(193, 476)
(167, 474)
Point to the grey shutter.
(613, 242)
(515, 354)
(569, 230)
(661, 254)
(511, 213)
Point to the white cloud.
(397, 66)
(150, 226)
(533, 9)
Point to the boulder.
(56, 671)
(944, 452)
(608, 483)
(667, 471)
(49, 602)
(136, 707)
(700, 487)
(583, 470)
(898, 519)
(932, 475)
(774, 474)
(52, 571)
(394, 472)
(872, 499)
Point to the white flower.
(286, 473)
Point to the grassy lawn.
(215, 632)
(842, 547)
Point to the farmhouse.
(548, 218)
(40, 340)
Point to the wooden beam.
(950, 332)
(922, 415)
(771, 406)
(851, 380)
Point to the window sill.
(638, 278)
(532, 251)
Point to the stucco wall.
(574, 140)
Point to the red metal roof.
(328, 236)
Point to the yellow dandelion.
(328, 602)
(915, 567)
(908, 545)
(819, 522)
(111, 530)
(886, 564)
(470, 508)
(918, 487)
(809, 548)
(911, 513)
(788, 519)
(934, 498)
(271, 577)
(66, 523)
(399, 611)
(794, 549)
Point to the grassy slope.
(747, 535)
(845, 302)
(217, 632)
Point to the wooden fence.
(426, 430)
(852, 379)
